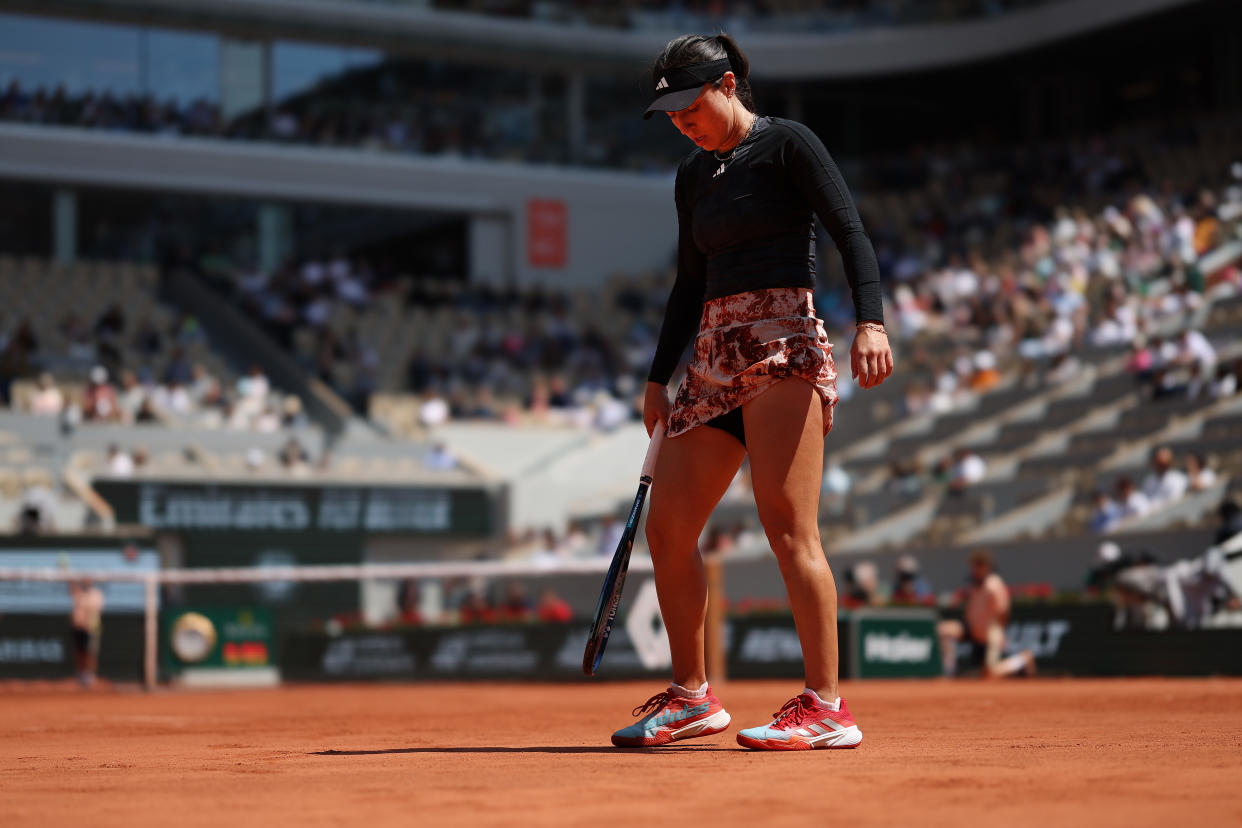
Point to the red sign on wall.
(547, 224)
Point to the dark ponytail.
(688, 50)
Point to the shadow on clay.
(534, 749)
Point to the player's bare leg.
(950, 632)
(692, 473)
(785, 438)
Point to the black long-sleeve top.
(748, 223)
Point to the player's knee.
(794, 544)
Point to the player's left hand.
(871, 359)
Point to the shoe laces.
(654, 703)
(793, 713)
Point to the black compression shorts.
(731, 422)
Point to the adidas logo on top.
(663, 84)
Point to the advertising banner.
(466, 512)
(40, 646)
(1066, 640)
(547, 232)
(893, 644)
(218, 638)
(542, 651)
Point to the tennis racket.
(610, 595)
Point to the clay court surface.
(1146, 752)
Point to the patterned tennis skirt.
(747, 342)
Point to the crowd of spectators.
(478, 601)
(507, 354)
(1184, 367)
(116, 371)
(777, 15)
(1163, 485)
(389, 108)
(1076, 281)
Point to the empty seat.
(1110, 389)
(1095, 441)
(1218, 428)
(999, 402)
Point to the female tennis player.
(761, 381)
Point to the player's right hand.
(655, 406)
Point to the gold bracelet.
(873, 326)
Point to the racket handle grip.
(653, 451)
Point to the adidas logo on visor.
(663, 84)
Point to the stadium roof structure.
(494, 40)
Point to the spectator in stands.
(717, 541)
(553, 609)
(292, 414)
(253, 389)
(1063, 368)
(1193, 348)
(909, 587)
(549, 550)
(1224, 384)
(515, 606)
(476, 609)
(610, 532)
(118, 462)
(34, 516)
(17, 358)
(131, 396)
(434, 410)
(917, 398)
(80, 348)
(203, 388)
(1142, 359)
(266, 421)
(836, 480)
(1132, 502)
(294, 458)
(985, 376)
(187, 330)
(146, 412)
(575, 543)
(47, 400)
(968, 469)
(862, 588)
(1118, 323)
(1199, 475)
(172, 398)
(409, 602)
(147, 338)
(610, 412)
(100, 402)
(1105, 512)
(109, 328)
(905, 477)
(1207, 227)
(1164, 484)
(441, 458)
(255, 459)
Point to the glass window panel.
(299, 67)
(182, 66)
(42, 53)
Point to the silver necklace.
(729, 154)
